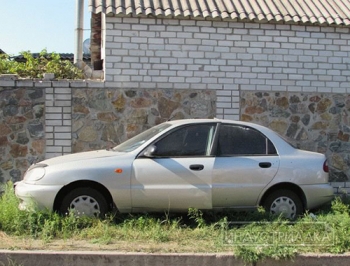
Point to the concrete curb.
(87, 258)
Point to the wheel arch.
(287, 186)
(83, 183)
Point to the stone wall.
(103, 118)
(44, 119)
(312, 121)
(22, 135)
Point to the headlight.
(35, 173)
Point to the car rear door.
(246, 162)
(179, 173)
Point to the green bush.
(36, 67)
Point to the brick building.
(227, 46)
(280, 63)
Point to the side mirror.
(149, 151)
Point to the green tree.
(36, 67)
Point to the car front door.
(178, 174)
(246, 162)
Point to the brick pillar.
(95, 41)
(228, 103)
(58, 120)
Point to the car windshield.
(141, 138)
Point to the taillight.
(325, 166)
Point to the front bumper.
(38, 196)
(317, 195)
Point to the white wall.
(227, 57)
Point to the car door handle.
(265, 165)
(196, 167)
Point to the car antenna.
(110, 143)
(171, 117)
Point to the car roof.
(209, 120)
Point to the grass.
(250, 236)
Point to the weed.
(339, 207)
(253, 236)
(249, 254)
(197, 216)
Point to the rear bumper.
(317, 195)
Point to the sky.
(35, 25)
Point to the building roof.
(63, 56)
(317, 12)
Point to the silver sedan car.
(208, 164)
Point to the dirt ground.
(21, 243)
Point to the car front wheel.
(284, 202)
(84, 202)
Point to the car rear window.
(241, 140)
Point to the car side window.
(241, 140)
(193, 140)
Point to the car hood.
(81, 156)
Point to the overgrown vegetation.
(36, 67)
(250, 236)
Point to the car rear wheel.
(84, 202)
(284, 202)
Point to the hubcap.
(85, 205)
(284, 206)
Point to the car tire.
(84, 201)
(284, 202)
